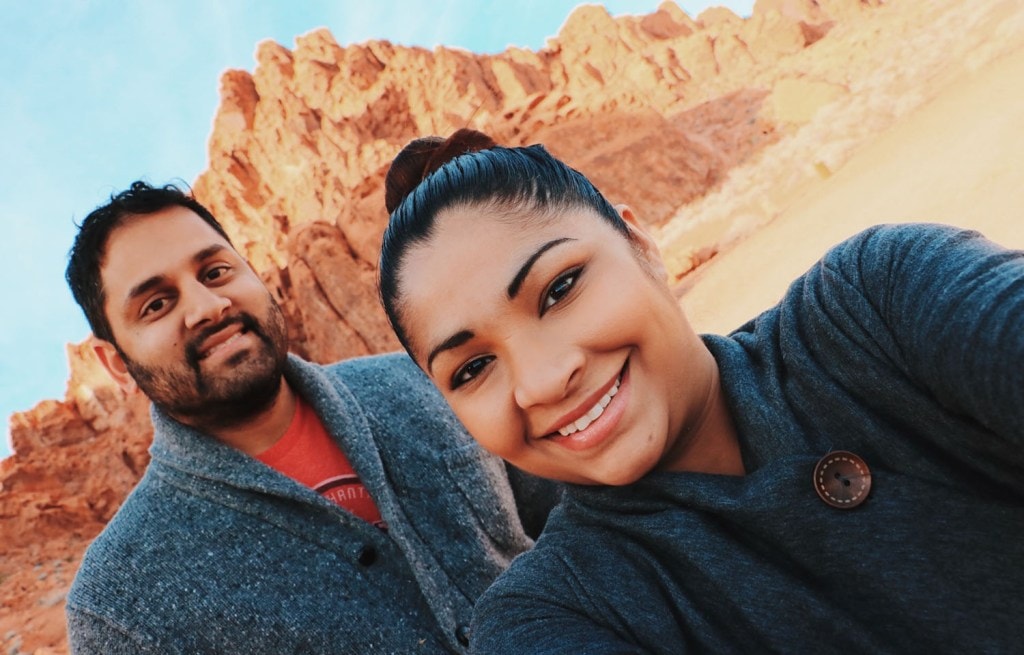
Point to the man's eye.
(154, 306)
(560, 288)
(470, 370)
(216, 273)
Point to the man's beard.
(248, 384)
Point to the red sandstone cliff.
(716, 115)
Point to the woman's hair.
(468, 168)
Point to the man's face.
(195, 327)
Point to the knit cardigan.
(215, 552)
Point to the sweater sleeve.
(513, 618)
(89, 634)
(952, 304)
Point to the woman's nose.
(545, 373)
(204, 304)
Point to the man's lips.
(589, 410)
(216, 337)
(219, 339)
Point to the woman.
(844, 471)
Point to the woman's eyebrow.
(463, 336)
(453, 341)
(524, 270)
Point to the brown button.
(842, 479)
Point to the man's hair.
(89, 249)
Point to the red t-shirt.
(307, 454)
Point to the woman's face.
(556, 341)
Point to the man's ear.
(114, 363)
(644, 242)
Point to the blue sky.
(94, 95)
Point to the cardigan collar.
(193, 452)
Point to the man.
(288, 507)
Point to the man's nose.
(203, 304)
(545, 373)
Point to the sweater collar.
(191, 451)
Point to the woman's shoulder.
(908, 248)
(901, 265)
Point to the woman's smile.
(589, 411)
(597, 423)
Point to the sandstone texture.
(747, 146)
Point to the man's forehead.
(152, 244)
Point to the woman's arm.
(517, 616)
(952, 303)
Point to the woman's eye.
(470, 370)
(560, 288)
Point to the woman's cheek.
(485, 422)
(598, 319)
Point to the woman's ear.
(644, 242)
(114, 363)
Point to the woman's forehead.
(465, 256)
(475, 240)
(460, 276)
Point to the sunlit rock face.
(710, 127)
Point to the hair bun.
(421, 157)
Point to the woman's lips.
(568, 420)
(593, 413)
(597, 430)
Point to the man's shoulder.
(173, 537)
(385, 365)
(387, 370)
(389, 391)
(141, 531)
(151, 509)
(386, 381)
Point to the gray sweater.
(905, 346)
(214, 552)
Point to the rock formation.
(707, 126)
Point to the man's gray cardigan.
(214, 552)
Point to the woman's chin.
(623, 474)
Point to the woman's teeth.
(582, 422)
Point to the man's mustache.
(247, 321)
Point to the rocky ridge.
(707, 126)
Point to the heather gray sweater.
(214, 552)
(904, 345)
